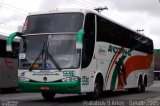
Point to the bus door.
(88, 60)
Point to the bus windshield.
(53, 23)
(61, 47)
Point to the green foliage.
(157, 52)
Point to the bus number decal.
(85, 80)
(68, 73)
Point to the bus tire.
(145, 81)
(98, 88)
(141, 86)
(49, 96)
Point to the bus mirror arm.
(10, 40)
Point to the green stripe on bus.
(114, 78)
(57, 87)
(115, 74)
(110, 65)
(108, 69)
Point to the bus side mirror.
(10, 40)
(79, 39)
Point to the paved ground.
(121, 98)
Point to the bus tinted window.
(108, 31)
(88, 40)
(13, 54)
(2, 48)
(53, 23)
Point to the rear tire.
(49, 96)
(139, 89)
(141, 86)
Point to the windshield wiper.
(51, 58)
(53, 61)
(41, 53)
(45, 50)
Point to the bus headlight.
(69, 79)
(24, 79)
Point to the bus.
(8, 65)
(79, 51)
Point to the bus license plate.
(44, 88)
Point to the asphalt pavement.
(118, 98)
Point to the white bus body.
(110, 56)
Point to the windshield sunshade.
(53, 23)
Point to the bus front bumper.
(56, 87)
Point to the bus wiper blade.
(53, 61)
(45, 50)
(51, 57)
(42, 51)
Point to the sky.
(134, 14)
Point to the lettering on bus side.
(85, 80)
(114, 49)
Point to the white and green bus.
(81, 51)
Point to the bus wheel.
(139, 89)
(49, 96)
(98, 87)
(141, 86)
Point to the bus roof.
(84, 11)
(64, 10)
